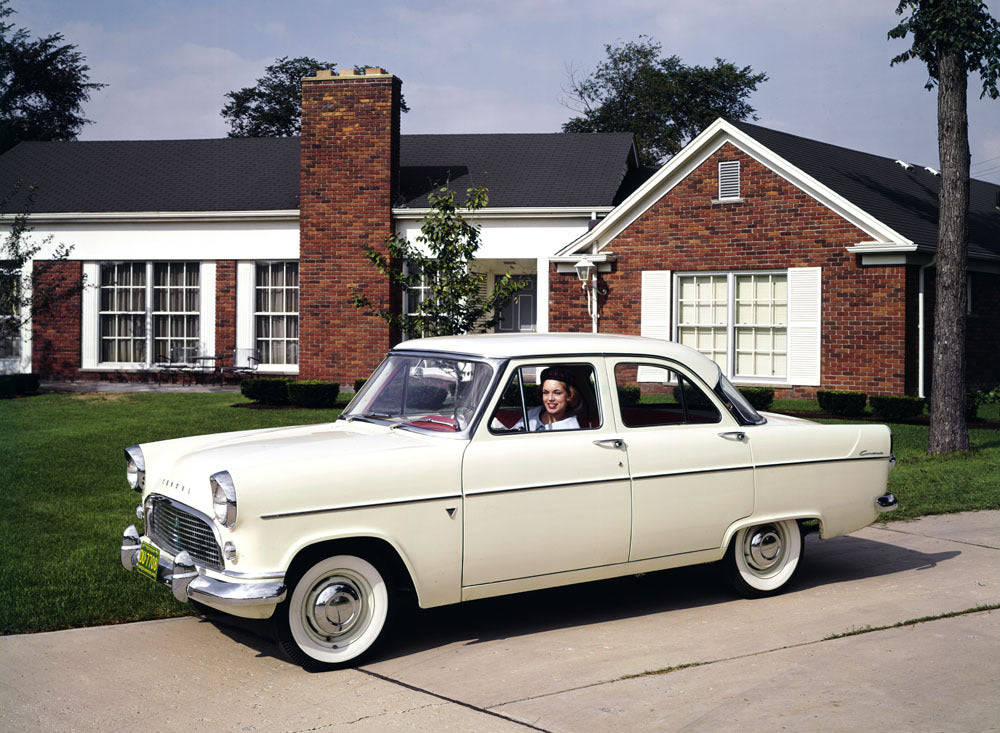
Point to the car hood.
(306, 468)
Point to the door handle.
(616, 443)
(734, 435)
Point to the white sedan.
(475, 466)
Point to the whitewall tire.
(335, 613)
(762, 558)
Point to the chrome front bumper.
(188, 584)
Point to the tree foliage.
(273, 106)
(662, 101)
(964, 28)
(43, 85)
(440, 260)
(25, 289)
(954, 38)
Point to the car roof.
(511, 345)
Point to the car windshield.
(737, 404)
(435, 393)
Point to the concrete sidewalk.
(564, 659)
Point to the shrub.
(313, 393)
(266, 391)
(629, 395)
(890, 407)
(760, 398)
(842, 402)
(18, 384)
(358, 384)
(976, 397)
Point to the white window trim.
(731, 325)
(90, 325)
(246, 285)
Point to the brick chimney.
(349, 174)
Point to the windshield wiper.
(369, 415)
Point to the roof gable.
(896, 207)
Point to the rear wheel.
(762, 558)
(335, 613)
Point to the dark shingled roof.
(231, 174)
(546, 169)
(255, 174)
(906, 200)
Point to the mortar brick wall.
(56, 334)
(225, 306)
(865, 340)
(349, 176)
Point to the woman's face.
(555, 398)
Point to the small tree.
(273, 106)
(662, 101)
(43, 85)
(954, 38)
(435, 273)
(25, 289)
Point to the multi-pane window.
(10, 337)
(703, 315)
(149, 312)
(739, 320)
(761, 325)
(276, 312)
(176, 287)
(123, 312)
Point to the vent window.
(729, 180)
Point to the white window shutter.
(804, 325)
(90, 317)
(654, 314)
(246, 283)
(729, 180)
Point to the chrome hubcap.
(334, 607)
(763, 548)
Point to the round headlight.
(224, 498)
(135, 467)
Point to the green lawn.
(64, 501)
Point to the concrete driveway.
(574, 659)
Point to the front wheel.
(336, 612)
(762, 558)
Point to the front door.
(519, 316)
(544, 502)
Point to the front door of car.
(544, 502)
(691, 464)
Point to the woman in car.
(560, 399)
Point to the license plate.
(149, 560)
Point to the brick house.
(791, 262)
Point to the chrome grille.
(177, 527)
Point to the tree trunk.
(949, 432)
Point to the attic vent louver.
(904, 165)
(729, 180)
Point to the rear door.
(691, 464)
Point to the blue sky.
(502, 66)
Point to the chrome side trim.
(370, 505)
(691, 473)
(536, 487)
(824, 460)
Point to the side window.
(548, 397)
(654, 395)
